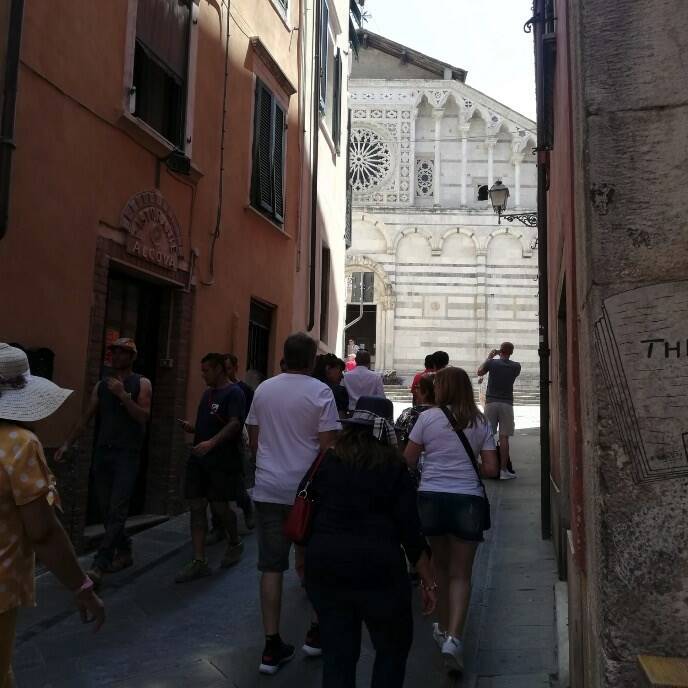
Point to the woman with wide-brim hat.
(28, 523)
(355, 569)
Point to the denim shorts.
(445, 513)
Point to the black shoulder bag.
(487, 523)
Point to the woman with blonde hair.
(452, 502)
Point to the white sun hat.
(25, 397)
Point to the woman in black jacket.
(355, 569)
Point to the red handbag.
(297, 527)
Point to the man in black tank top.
(122, 402)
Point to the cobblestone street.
(207, 633)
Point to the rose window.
(425, 172)
(370, 161)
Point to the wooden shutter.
(278, 162)
(337, 102)
(324, 24)
(262, 147)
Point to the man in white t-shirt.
(362, 381)
(293, 416)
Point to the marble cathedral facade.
(429, 266)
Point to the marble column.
(517, 159)
(437, 115)
(463, 130)
(490, 145)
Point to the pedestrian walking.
(214, 469)
(425, 399)
(499, 401)
(28, 498)
(355, 569)
(292, 418)
(362, 381)
(122, 402)
(243, 500)
(330, 370)
(451, 498)
(429, 368)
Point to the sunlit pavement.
(525, 416)
(208, 634)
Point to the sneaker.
(275, 655)
(122, 560)
(452, 652)
(438, 635)
(312, 647)
(197, 568)
(214, 537)
(505, 475)
(232, 554)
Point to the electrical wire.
(218, 222)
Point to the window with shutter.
(267, 180)
(324, 26)
(337, 103)
(160, 65)
(278, 163)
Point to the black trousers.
(386, 613)
(115, 473)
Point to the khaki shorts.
(500, 415)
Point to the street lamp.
(499, 195)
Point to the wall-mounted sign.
(153, 233)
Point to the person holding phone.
(499, 401)
(214, 470)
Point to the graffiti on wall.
(642, 344)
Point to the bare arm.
(483, 370)
(412, 453)
(53, 548)
(327, 439)
(230, 430)
(81, 425)
(139, 410)
(489, 467)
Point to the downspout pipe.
(9, 106)
(314, 171)
(543, 268)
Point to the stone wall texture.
(631, 130)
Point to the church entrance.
(361, 321)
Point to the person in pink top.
(350, 362)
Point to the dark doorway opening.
(362, 332)
(133, 309)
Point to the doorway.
(133, 309)
(363, 331)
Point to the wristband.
(86, 586)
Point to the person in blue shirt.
(214, 471)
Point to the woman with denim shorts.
(451, 498)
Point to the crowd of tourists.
(316, 464)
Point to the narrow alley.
(207, 634)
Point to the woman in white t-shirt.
(451, 498)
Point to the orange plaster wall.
(75, 168)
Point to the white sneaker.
(452, 651)
(438, 636)
(505, 475)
